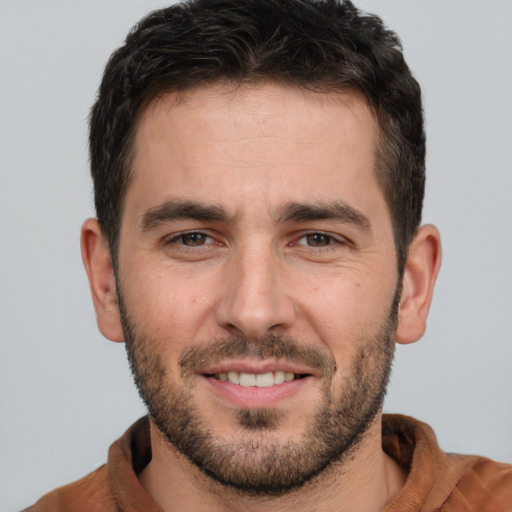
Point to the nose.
(254, 301)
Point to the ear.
(98, 265)
(421, 269)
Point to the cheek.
(169, 307)
(346, 312)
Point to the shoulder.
(481, 482)
(443, 481)
(91, 493)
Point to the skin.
(252, 152)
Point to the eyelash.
(332, 240)
(175, 239)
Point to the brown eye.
(192, 239)
(318, 240)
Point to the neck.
(366, 480)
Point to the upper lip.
(257, 366)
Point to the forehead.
(263, 144)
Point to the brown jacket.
(437, 481)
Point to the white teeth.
(247, 379)
(259, 380)
(264, 380)
(279, 377)
(234, 377)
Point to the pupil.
(318, 240)
(193, 239)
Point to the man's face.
(257, 279)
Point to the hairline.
(382, 159)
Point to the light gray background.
(67, 393)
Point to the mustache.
(197, 358)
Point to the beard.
(260, 463)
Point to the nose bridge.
(254, 300)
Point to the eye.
(192, 239)
(317, 239)
(190, 246)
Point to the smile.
(258, 380)
(250, 387)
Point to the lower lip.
(251, 397)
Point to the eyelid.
(176, 236)
(336, 238)
(174, 241)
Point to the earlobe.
(422, 267)
(98, 265)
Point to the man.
(259, 176)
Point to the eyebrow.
(290, 212)
(173, 210)
(337, 211)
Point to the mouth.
(245, 385)
(257, 380)
(255, 384)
